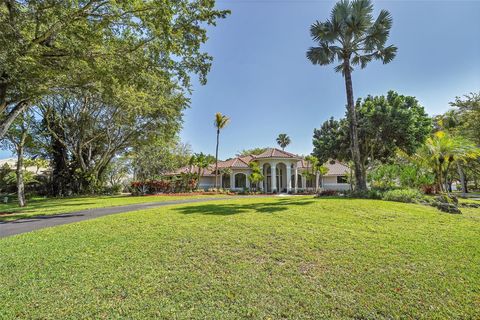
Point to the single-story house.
(288, 177)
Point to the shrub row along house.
(289, 174)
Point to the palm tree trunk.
(216, 159)
(360, 177)
(463, 182)
(447, 189)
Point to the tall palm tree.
(351, 37)
(220, 122)
(283, 140)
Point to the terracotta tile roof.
(275, 153)
(302, 164)
(233, 163)
(335, 168)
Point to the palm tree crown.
(352, 37)
(220, 121)
(283, 140)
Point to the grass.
(48, 206)
(263, 258)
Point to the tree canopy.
(140, 52)
(386, 124)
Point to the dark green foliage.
(331, 142)
(385, 124)
(467, 115)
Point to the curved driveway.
(10, 228)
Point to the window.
(341, 179)
(240, 180)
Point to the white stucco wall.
(207, 182)
(330, 183)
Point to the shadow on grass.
(230, 209)
(24, 218)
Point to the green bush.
(373, 193)
(113, 190)
(403, 195)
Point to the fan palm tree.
(220, 122)
(352, 37)
(283, 140)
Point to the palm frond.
(361, 17)
(341, 68)
(386, 55)
(362, 60)
(323, 32)
(378, 33)
(341, 13)
(322, 55)
(221, 120)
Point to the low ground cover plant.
(403, 195)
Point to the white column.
(232, 181)
(221, 182)
(274, 176)
(317, 177)
(289, 178)
(304, 182)
(247, 181)
(296, 179)
(260, 184)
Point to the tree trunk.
(60, 172)
(440, 178)
(447, 189)
(7, 121)
(216, 159)
(463, 181)
(20, 182)
(360, 176)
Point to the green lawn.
(263, 258)
(48, 206)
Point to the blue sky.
(262, 80)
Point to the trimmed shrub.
(327, 193)
(373, 193)
(403, 195)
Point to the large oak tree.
(131, 50)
